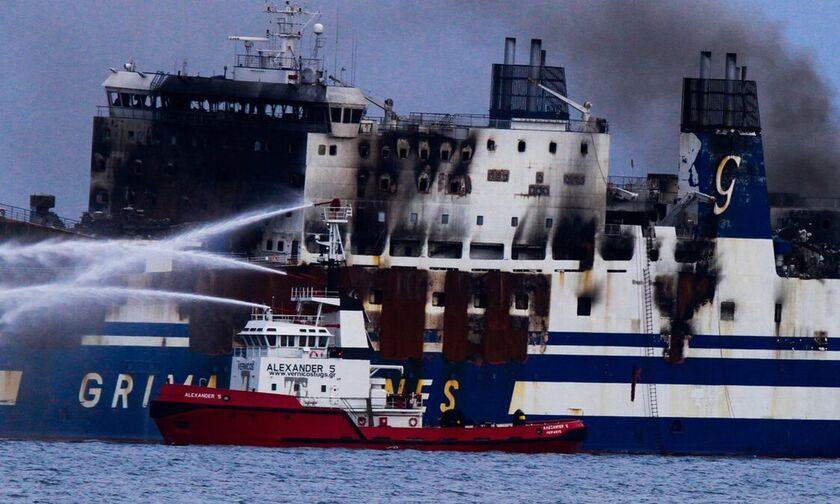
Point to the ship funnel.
(510, 51)
(536, 52)
(706, 65)
(731, 59)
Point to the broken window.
(269, 245)
(520, 301)
(444, 219)
(364, 150)
(466, 154)
(514, 221)
(777, 314)
(403, 152)
(423, 183)
(444, 153)
(438, 299)
(552, 147)
(479, 220)
(521, 146)
(386, 152)
(376, 296)
(333, 150)
(584, 306)
(480, 300)
(424, 153)
(322, 149)
(491, 144)
(385, 183)
(549, 223)
(584, 148)
(727, 310)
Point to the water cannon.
(585, 115)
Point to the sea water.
(35, 471)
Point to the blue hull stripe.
(145, 329)
(697, 341)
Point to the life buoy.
(313, 354)
(362, 420)
(412, 422)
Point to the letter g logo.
(719, 209)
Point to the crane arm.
(583, 109)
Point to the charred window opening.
(130, 135)
(405, 248)
(480, 300)
(448, 250)
(498, 175)
(322, 150)
(445, 153)
(491, 144)
(335, 114)
(98, 162)
(107, 135)
(492, 251)
(424, 153)
(386, 152)
(584, 148)
(412, 218)
(520, 301)
(333, 150)
(444, 218)
(364, 150)
(618, 246)
(269, 245)
(361, 181)
(375, 297)
(424, 183)
(458, 184)
(438, 299)
(549, 223)
(574, 179)
(520, 146)
(552, 147)
(527, 252)
(479, 220)
(101, 197)
(777, 313)
(584, 306)
(171, 169)
(403, 153)
(821, 340)
(402, 148)
(514, 221)
(539, 177)
(466, 154)
(727, 310)
(385, 183)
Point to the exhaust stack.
(510, 51)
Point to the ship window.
(302, 330)
(552, 147)
(521, 146)
(466, 154)
(498, 175)
(514, 221)
(138, 167)
(480, 300)
(424, 153)
(384, 183)
(479, 220)
(412, 218)
(333, 150)
(444, 219)
(302, 341)
(280, 245)
(381, 217)
(540, 177)
(130, 135)
(312, 341)
(173, 140)
(364, 150)
(272, 340)
(438, 298)
(520, 301)
(386, 152)
(322, 341)
(357, 116)
(584, 306)
(335, 114)
(376, 297)
(549, 223)
(257, 146)
(273, 386)
(423, 183)
(322, 149)
(296, 387)
(445, 153)
(346, 118)
(269, 244)
(271, 329)
(283, 341)
(777, 315)
(491, 144)
(323, 388)
(727, 310)
(584, 148)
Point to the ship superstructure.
(496, 260)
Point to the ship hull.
(197, 415)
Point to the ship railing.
(11, 212)
(274, 62)
(416, 120)
(312, 320)
(275, 260)
(311, 292)
(338, 215)
(211, 117)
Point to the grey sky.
(428, 56)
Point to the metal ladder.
(650, 351)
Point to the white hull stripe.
(680, 401)
(140, 341)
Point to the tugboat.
(306, 380)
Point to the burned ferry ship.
(496, 261)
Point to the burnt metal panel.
(215, 87)
(403, 314)
(512, 96)
(505, 337)
(720, 103)
(456, 346)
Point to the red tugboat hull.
(198, 415)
